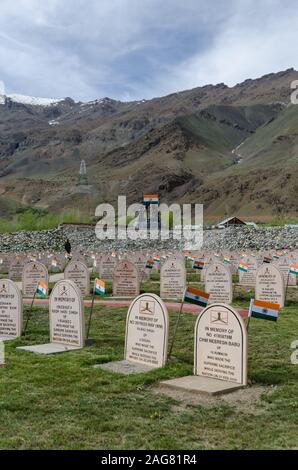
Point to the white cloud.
(140, 48)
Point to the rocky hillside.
(233, 149)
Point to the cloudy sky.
(133, 49)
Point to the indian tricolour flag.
(54, 263)
(151, 199)
(41, 289)
(198, 264)
(277, 255)
(227, 260)
(294, 269)
(243, 266)
(263, 310)
(149, 264)
(99, 287)
(156, 259)
(196, 296)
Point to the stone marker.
(77, 272)
(270, 285)
(33, 272)
(4, 263)
(11, 310)
(16, 269)
(107, 266)
(218, 283)
(146, 337)
(67, 330)
(139, 260)
(249, 278)
(220, 353)
(172, 278)
(126, 281)
(283, 265)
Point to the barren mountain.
(233, 149)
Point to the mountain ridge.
(181, 145)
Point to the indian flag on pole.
(151, 199)
(294, 269)
(99, 287)
(196, 296)
(149, 264)
(243, 266)
(41, 289)
(263, 310)
(198, 264)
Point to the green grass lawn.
(61, 402)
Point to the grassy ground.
(61, 402)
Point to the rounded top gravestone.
(147, 327)
(284, 263)
(172, 278)
(67, 315)
(126, 280)
(107, 266)
(270, 285)
(33, 272)
(11, 309)
(218, 283)
(221, 345)
(16, 269)
(78, 272)
(249, 278)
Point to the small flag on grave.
(267, 259)
(198, 264)
(243, 266)
(156, 259)
(277, 255)
(196, 296)
(99, 287)
(263, 310)
(227, 260)
(151, 199)
(149, 264)
(294, 269)
(54, 263)
(41, 289)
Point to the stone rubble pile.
(84, 238)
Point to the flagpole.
(176, 326)
(29, 313)
(91, 312)
(248, 321)
(287, 285)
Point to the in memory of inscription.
(78, 272)
(33, 273)
(11, 310)
(147, 326)
(221, 345)
(66, 315)
(270, 285)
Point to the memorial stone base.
(49, 348)
(124, 367)
(205, 385)
(7, 338)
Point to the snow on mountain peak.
(32, 100)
